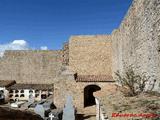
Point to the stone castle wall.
(64, 87)
(90, 55)
(137, 41)
(30, 66)
(66, 54)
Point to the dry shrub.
(132, 83)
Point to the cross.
(51, 116)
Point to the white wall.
(26, 95)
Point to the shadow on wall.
(84, 117)
(89, 99)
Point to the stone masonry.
(136, 42)
(91, 55)
(30, 66)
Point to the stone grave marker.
(69, 110)
(31, 99)
(39, 110)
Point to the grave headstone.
(69, 110)
(52, 117)
(39, 110)
(31, 98)
(2, 97)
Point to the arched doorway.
(89, 99)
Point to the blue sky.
(51, 22)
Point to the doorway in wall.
(89, 99)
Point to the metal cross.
(51, 116)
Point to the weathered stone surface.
(66, 54)
(65, 87)
(137, 40)
(30, 66)
(90, 55)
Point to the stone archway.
(89, 99)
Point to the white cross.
(51, 116)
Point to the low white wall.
(100, 113)
(26, 97)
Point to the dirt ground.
(115, 102)
(88, 113)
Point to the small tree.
(135, 83)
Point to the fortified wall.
(137, 41)
(40, 67)
(94, 57)
(91, 55)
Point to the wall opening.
(89, 99)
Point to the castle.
(87, 62)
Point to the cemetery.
(4, 94)
(89, 76)
(26, 92)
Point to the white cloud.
(15, 45)
(19, 42)
(44, 48)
